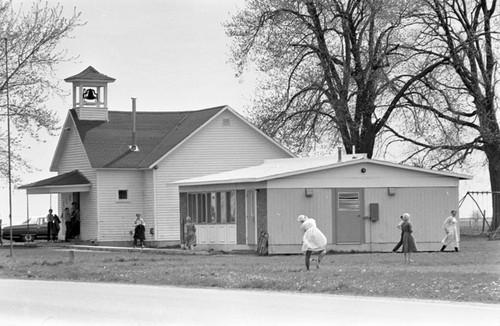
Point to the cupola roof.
(89, 74)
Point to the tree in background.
(347, 71)
(453, 113)
(32, 36)
(331, 67)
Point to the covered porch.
(68, 186)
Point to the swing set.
(493, 234)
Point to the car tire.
(27, 238)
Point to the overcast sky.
(172, 55)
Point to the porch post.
(27, 212)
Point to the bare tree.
(331, 67)
(454, 112)
(30, 37)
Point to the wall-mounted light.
(363, 170)
(309, 192)
(391, 191)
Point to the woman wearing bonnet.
(409, 245)
(451, 229)
(313, 240)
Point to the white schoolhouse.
(114, 164)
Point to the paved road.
(75, 303)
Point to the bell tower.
(90, 94)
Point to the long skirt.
(450, 238)
(313, 240)
(408, 243)
(190, 239)
(139, 232)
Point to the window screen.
(348, 201)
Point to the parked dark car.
(35, 229)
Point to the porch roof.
(281, 168)
(73, 181)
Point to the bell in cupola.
(90, 94)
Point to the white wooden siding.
(215, 148)
(91, 113)
(74, 157)
(117, 216)
(149, 203)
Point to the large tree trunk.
(494, 169)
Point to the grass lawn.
(470, 275)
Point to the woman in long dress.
(409, 245)
(139, 230)
(313, 240)
(190, 233)
(451, 229)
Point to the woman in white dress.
(451, 229)
(313, 240)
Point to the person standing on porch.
(50, 226)
(75, 220)
(313, 240)
(451, 229)
(57, 228)
(67, 223)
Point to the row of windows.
(220, 207)
(212, 207)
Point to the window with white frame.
(122, 195)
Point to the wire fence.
(474, 225)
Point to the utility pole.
(8, 141)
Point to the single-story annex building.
(356, 202)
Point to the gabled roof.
(107, 143)
(281, 168)
(90, 74)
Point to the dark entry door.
(349, 209)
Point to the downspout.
(155, 220)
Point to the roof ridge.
(166, 112)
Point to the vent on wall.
(226, 122)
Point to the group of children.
(450, 226)
(314, 241)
